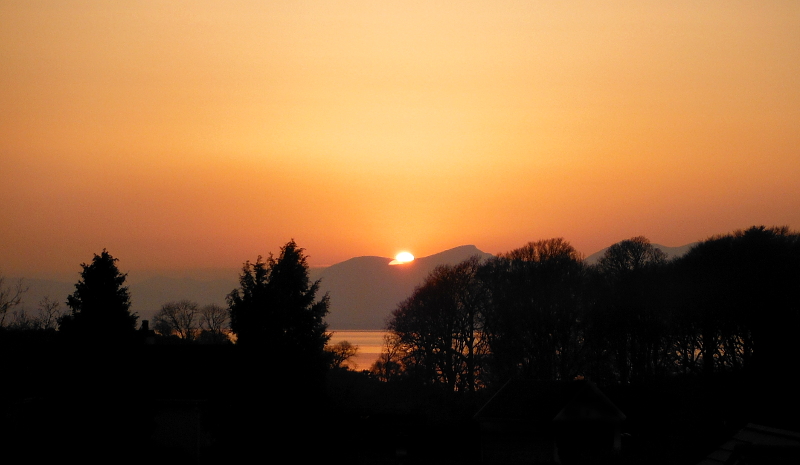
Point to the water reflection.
(369, 346)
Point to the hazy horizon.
(209, 273)
(361, 291)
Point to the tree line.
(275, 309)
(542, 313)
(99, 363)
(538, 312)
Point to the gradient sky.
(201, 134)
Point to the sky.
(201, 134)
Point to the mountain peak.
(456, 254)
(365, 290)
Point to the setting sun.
(402, 257)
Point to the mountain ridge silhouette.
(365, 290)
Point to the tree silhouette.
(49, 313)
(629, 316)
(389, 365)
(214, 322)
(532, 320)
(629, 256)
(742, 290)
(179, 318)
(275, 309)
(438, 328)
(100, 304)
(340, 353)
(280, 342)
(10, 297)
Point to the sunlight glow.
(402, 257)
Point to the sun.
(402, 257)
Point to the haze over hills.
(363, 290)
(672, 252)
(148, 290)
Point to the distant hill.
(671, 252)
(365, 290)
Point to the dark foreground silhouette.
(530, 357)
(205, 404)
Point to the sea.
(369, 345)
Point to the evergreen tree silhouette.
(276, 308)
(280, 340)
(100, 304)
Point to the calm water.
(369, 346)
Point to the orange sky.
(204, 133)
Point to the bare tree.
(179, 318)
(390, 363)
(10, 296)
(21, 321)
(439, 328)
(214, 324)
(49, 313)
(214, 318)
(341, 353)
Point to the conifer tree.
(101, 303)
(276, 309)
